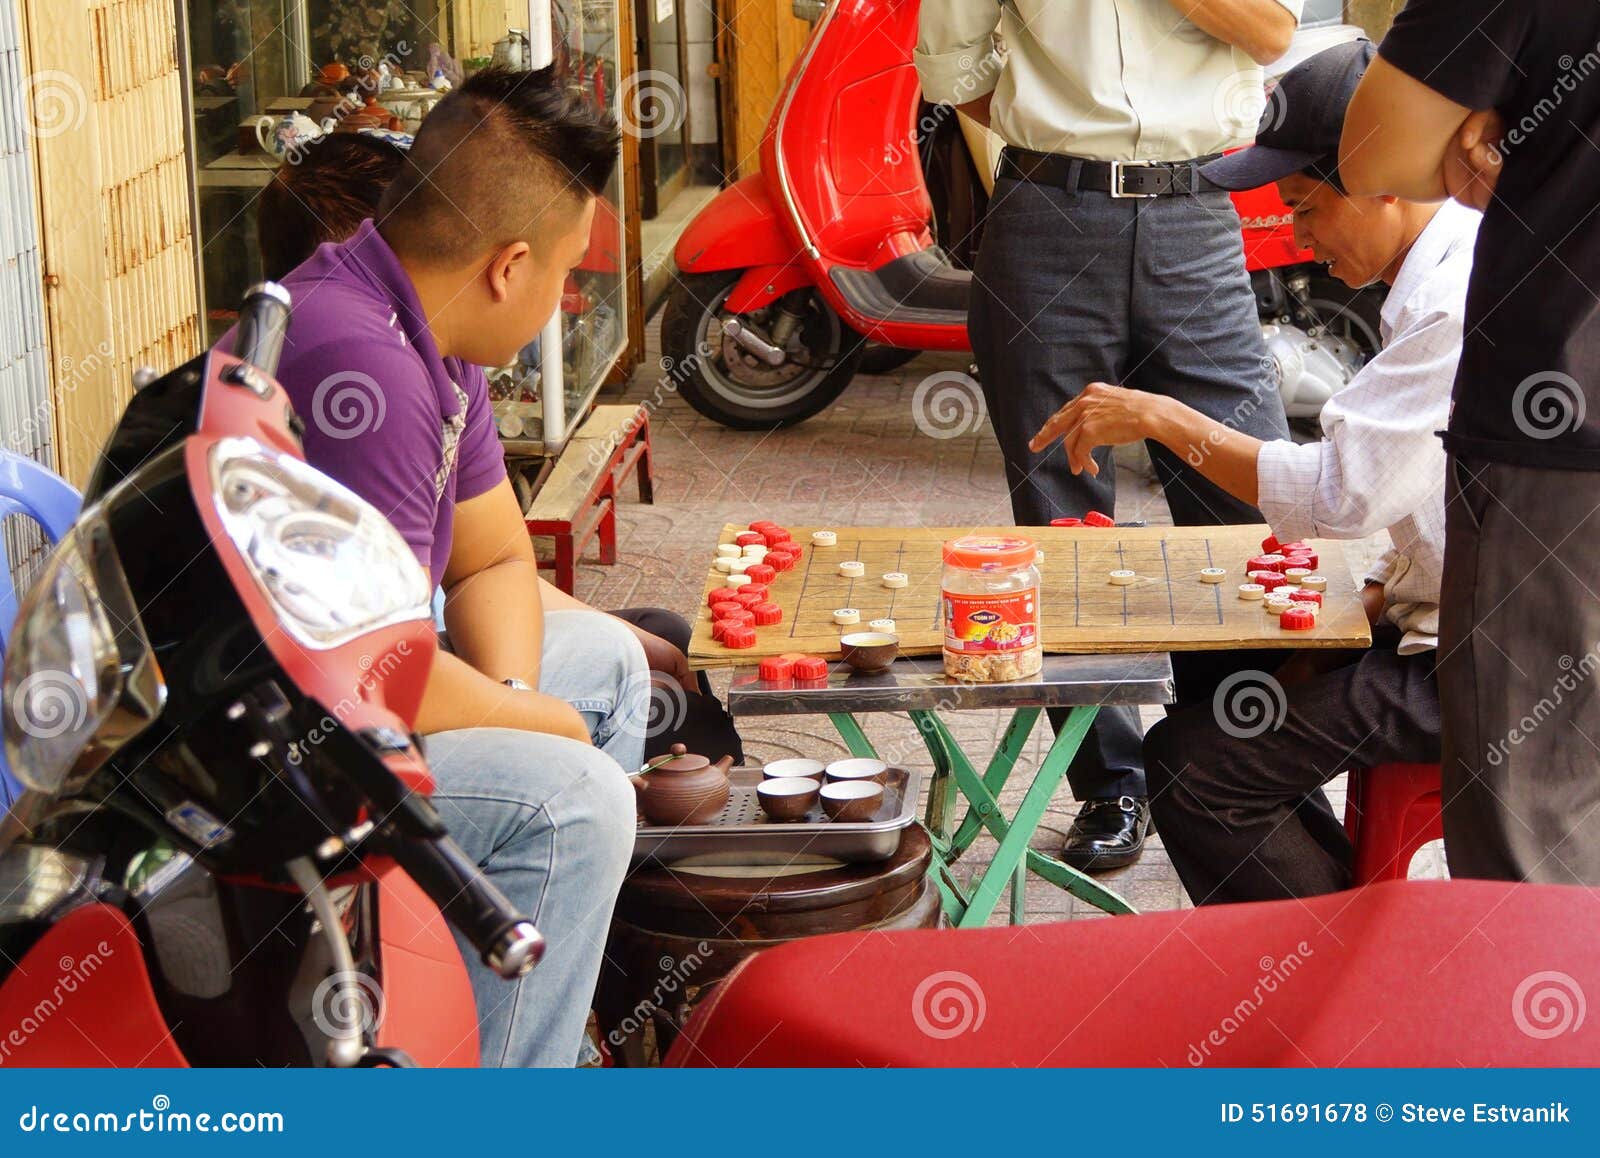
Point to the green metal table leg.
(1019, 893)
(855, 739)
(941, 787)
(998, 772)
(1079, 884)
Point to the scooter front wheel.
(770, 368)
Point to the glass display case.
(352, 65)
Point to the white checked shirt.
(1381, 464)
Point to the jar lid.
(987, 551)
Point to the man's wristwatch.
(516, 685)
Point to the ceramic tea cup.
(869, 652)
(787, 798)
(852, 799)
(856, 768)
(794, 766)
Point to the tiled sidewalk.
(866, 460)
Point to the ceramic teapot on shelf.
(682, 788)
(287, 136)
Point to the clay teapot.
(682, 788)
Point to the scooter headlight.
(79, 657)
(330, 564)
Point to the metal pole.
(552, 377)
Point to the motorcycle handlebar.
(506, 940)
(263, 323)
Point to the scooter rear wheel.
(730, 384)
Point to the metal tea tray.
(743, 835)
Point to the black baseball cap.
(1303, 121)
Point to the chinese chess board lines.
(1166, 608)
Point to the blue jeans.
(551, 823)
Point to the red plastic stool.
(1390, 811)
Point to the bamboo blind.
(114, 194)
(26, 424)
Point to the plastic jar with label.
(990, 608)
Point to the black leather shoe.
(1108, 834)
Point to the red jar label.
(976, 624)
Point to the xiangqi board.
(1166, 605)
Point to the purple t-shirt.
(407, 430)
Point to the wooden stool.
(577, 503)
(677, 932)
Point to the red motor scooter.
(787, 274)
(226, 854)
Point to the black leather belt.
(1118, 178)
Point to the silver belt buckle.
(1116, 181)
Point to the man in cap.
(1237, 769)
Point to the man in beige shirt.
(1106, 257)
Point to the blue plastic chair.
(37, 493)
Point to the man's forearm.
(496, 620)
(1262, 28)
(1221, 453)
(460, 696)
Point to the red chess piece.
(1306, 597)
(776, 669)
(739, 636)
(750, 539)
(1270, 545)
(1298, 619)
(720, 609)
(1269, 562)
(1270, 580)
(810, 667)
(761, 573)
(766, 614)
(1096, 519)
(1069, 521)
(779, 560)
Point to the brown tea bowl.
(793, 766)
(787, 798)
(869, 652)
(856, 768)
(852, 800)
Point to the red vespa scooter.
(787, 274)
(226, 854)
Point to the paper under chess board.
(1167, 608)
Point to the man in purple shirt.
(542, 698)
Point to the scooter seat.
(921, 288)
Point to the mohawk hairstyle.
(491, 161)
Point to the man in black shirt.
(1519, 636)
